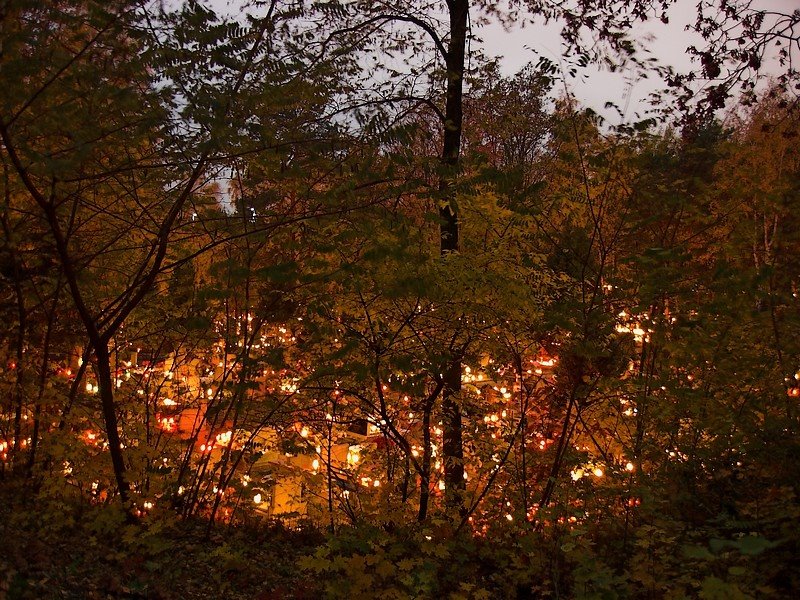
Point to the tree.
(413, 27)
(87, 79)
(744, 40)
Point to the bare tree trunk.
(105, 384)
(452, 444)
(22, 326)
(43, 378)
(425, 474)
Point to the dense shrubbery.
(489, 347)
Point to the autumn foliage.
(272, 304)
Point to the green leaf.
(752, 545)
(699, 552)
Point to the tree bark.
(452, 445)
(105, 384)
(425, 474)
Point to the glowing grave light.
(353, 455)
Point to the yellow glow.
(353, 455)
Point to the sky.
(594, 87)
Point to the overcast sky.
(592, 86)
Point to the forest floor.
(46, 553)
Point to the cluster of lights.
(353, 458)
(587, 470)
(469, 377)
(631, 325)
